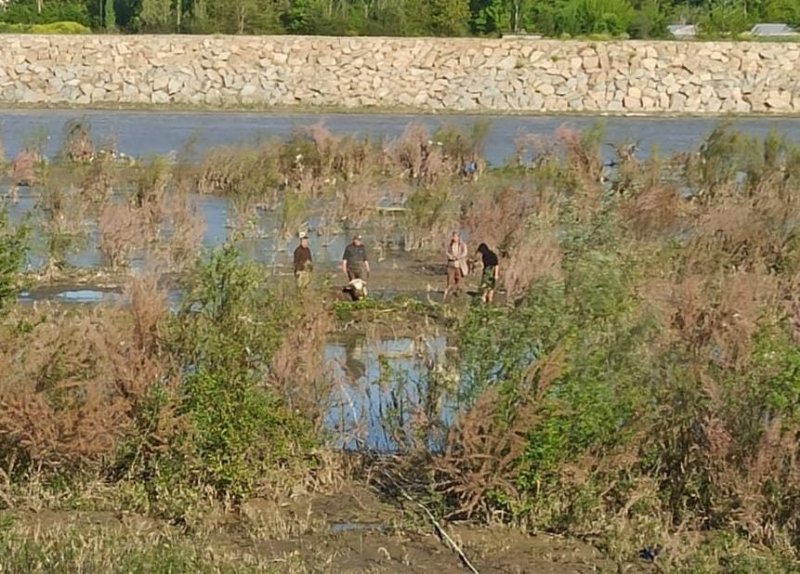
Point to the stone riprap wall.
(508, 75)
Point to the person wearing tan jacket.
(457, 267)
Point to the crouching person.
(356, 290)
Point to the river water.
(142, 133)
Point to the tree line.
(555, 18)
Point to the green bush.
(50, 28)
(580, 17)
(13, 249)
(225, 334)
(26, 12)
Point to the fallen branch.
(438, 527)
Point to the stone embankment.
(508, 75)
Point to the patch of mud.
(307, 534)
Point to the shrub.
(13, 249)
(225, 334)
(60, 28)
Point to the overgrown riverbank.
(635, 389)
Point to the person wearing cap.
(302, 263)
(354, 261)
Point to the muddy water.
(384, 387)
(146, 133)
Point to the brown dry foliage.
(297, 367)
(482, 450)
(96, 184)
(78, 145)
(122, 232)
(74, 384)
(23, 168)
(356, 202)
(498, 217)
(656, 210)
(538, 256)
(70, 386)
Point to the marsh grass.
(76, 548)
(639, 387)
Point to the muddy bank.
(351, 530)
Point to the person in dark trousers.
(302, 264)
(491, 272)
(354, 261)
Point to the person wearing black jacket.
(491, 272)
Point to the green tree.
(449, 17)
(156, 15)
(110, 17)
(596, 17)
(224, 335)
(782, 11)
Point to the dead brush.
(97, 182)
(63, 222)
(297, 368)
(773, 464)
(122, 232)
(151, 188)
(430, 216)
(533, 249)
(652, 212)
(76, 385)
(482, 449)
(722, 316)
(182, 232)
(77, 146)
(356, 202)
(293, 214)
(582, 152)
(409, 151)
(496, 216)
(536, 257)
(356, 159)
(738, 233)
(232, 171)
(480, 457)
(243, 216)
(533, 151)
(57, 406)
(25, 168)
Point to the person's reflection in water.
(354, 350)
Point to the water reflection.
(354, 364)
(382, 391)
(265, 247)
(386, 391)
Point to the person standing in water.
(302, 263)
(457, 268)
(491, 272)
(354, 261)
